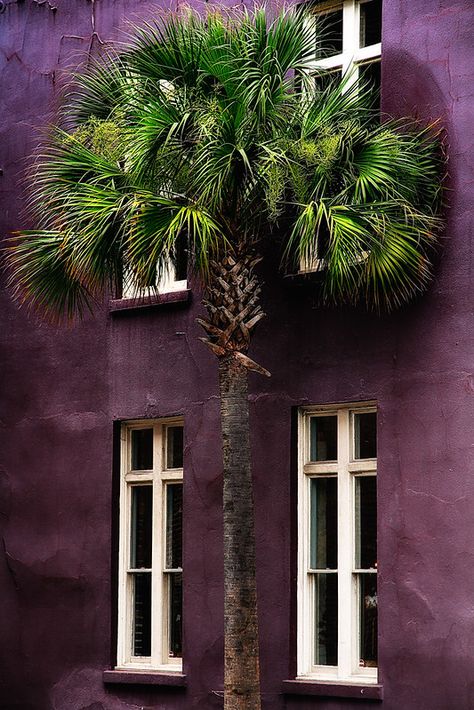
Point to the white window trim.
(159, 476)
(167, 283)
(352, 56)
(348, 62)
(346, 470)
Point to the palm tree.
(210, 129)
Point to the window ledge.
(160, 299)
(137, 677)
(344, 689)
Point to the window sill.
(119, 305)
(137, 677)
(334, 690)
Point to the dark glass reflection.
(174, 447)
(142, 449)
(329, 34)
(370, 23)
(181, 258)
(175, 614)
(142, 516)
(324, 80)
(174, 526)
(368, 619)
(370, 74)
(325, 614)
(323, 553)
(366, 522)
(142, 614)
(323, 438)
(365, 435)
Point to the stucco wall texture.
(62, 389)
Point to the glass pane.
(371, 76)
(142, 449)
(370, 23)
(323, 438)
(174, 447)
(324, 80)
(366, 522)
(325, 616)
(142, 614)
(365, 436)
(329, 34)
(174, 526)
(142, 515)
(323, 551)
(181, 258)
(368, 619)
(176, 614)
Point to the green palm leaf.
(210, 129)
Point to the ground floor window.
(337, 546)
(150, 550)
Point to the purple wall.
(61, 391)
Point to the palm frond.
(39, 276)
(214, 128)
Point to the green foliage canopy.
(212, 127)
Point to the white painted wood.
(166, 283)
(158, 477)
(345, 468)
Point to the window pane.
(181, 258)
(174, 447)
(175, 614)
(329, 34)
(323, 438)
(142, 514)
(323, 523)
(174, 525)
(324, 80)
(142, 449)
(325, 616)
(370, 23)
(366, 522)
(371, 76)
(365, 435)
(142, 614)
(368, 619)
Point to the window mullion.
(344, 547)
(305, 583)
(156, 575)
(350, 35)
(124, 596)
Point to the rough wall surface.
(61, 391)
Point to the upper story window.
(173, 277)
(348, 39)
(150, 547)
(337, 544)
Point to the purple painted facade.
(63, 389)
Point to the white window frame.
(159, 477)
(166, 283)
(352, 56)
(348, 62)
(347, 468)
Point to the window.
(349, 40)
(337, 546)
(173, 278)
(348, 37)
(150, 549)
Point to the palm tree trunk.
(241, 664)
(232, 304)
